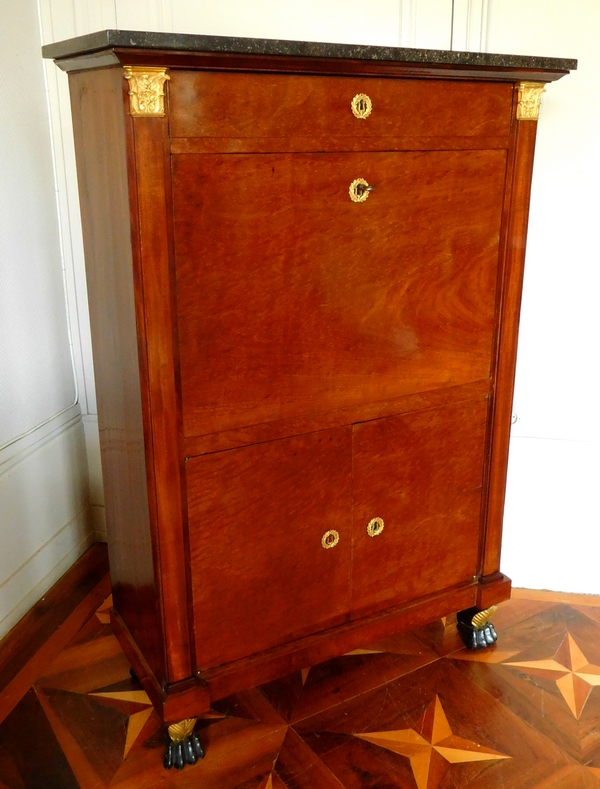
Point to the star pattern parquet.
(416, 711)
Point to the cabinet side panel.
(508, 327)
(100, 143)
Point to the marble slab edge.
(183, 42)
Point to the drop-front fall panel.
(331, 303)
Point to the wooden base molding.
(194, 696)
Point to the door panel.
(421, 473)
(257, 515)
(331, 303)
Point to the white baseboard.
(45, 515)
(33, 579)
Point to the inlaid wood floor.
(415, 711)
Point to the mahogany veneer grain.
(278, 106)
(343, 305)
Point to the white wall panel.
(425, 23)
(71, 235)
(469, 25)
(61, 20)
(69, 18)
(552, 521)
(560, 326)
(45, 518)
(433, 26)
(44, 512)
(36, 377)
(553, 512)
(93, 15)
(145, 15)
(407, 23)
(343, 21)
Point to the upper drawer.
(214, 104)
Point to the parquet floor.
(415, 711)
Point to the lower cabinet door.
(270, 543)
(417, 503)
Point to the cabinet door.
(293, 300)
(263, 569)
(421, 475)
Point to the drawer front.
(205, 104)
(258, 517)
(421, 474)
(331, 303)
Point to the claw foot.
(475, 629)
(182, 746)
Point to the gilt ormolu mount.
(283, 365)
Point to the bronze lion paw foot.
(475, 629)
(182, 746)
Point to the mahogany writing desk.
(304, 265)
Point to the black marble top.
(183, 42)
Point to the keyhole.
(375, 527)
(330, 539)
(361, 105)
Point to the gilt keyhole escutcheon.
(359, 190)
(330, 539)
(361, 105)
(375, 527)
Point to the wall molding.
(19, 447)
(70, 233)
(407, 33)
(62, 19)
(44, 501)
(470, 25)
(165, 15)
(74, 535)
